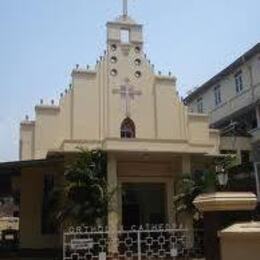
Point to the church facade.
(125, 108)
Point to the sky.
(42, 40)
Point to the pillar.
(256, 154)
(239, 157)
(258, 115)
(220, 210)
(113, 207)
(170, 196)
(187, 219)
(186, 164)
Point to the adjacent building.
(232, 100)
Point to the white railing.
(151, 242)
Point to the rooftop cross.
(125, 7)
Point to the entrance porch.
(143, 203)
(144, 184)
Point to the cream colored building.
(240, 241)
(125, 108)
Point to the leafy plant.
(226, 162)
(83, 196)
(188, 187)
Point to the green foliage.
(227, 162)
(188, 187)
(240, 177)
(83, 196)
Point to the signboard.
(9, 237)
(102, 256)
(174, 252)
(82, 244)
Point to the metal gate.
(154, 242)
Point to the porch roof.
(14, 167)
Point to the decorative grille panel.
(155, 242)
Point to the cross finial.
(125, 7)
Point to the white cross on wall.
(127, 93)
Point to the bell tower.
(124, 31)
(128, 75)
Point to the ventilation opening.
(125, 36)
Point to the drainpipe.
(257, 115)
(251, 82)
(257, 109)
(257, 181)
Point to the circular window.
(113, 72)
(137, 49)
(113, 47)
(138, 74)
(113, 59)
(137, 62)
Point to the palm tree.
(188, 187)
(83, 197)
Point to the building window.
(113, 47)
(125, 36)
(228, 152)
(200, 105)
(48, 225)
(137, 49)
(113, 72)
(217, 95)
(128, 128)
(138, 74)
(245, 157)
(239, 82)
(137, 62)
(113, 59)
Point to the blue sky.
(42, 40)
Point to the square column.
(170, 194)
(220, 210)
(113, 207)
(257, 109)
(186, 164)
(187, 219)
